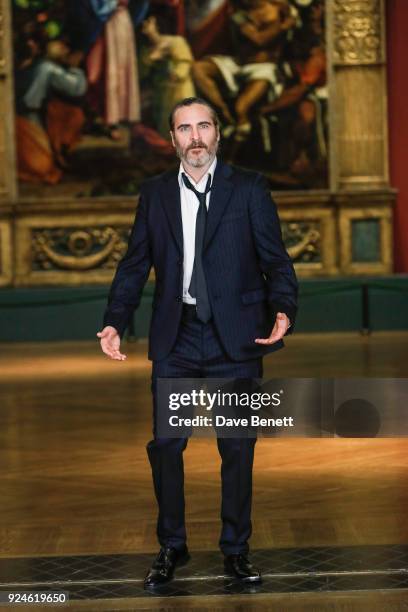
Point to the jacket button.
(179, 298)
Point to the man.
(225, 296)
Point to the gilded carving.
(302, 240)
(78, 249)
(75, 250)
(357, 31)
(5, 253)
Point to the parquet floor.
(76, 480)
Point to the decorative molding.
(309, 234)
(8, 187)
(357, 32)
(384, 216)
(5, 253)
(2, 41)
(3, 187)
(70, 249)
(302, 240)
(88, 248)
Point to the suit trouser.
(198, 353)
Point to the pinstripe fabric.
(249, 275)
(199, 353)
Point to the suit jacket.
(249, 274)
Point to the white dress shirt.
(189, 209)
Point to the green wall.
(67, 313)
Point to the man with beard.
(225, 296)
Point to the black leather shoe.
(239, 567)
(164, 565)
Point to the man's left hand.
(279, 330)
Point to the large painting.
(95, 81)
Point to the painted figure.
(48, 123)
(168, 62)
(252, 73)
(112, 66)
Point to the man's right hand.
(110, 343)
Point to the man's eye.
(183, 128)
(204, 126)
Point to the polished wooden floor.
(379, 601)
(76, 480)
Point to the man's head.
(58, 51)
(194, 129)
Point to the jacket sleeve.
(131, 274)
(276, 265)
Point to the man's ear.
(172, 139)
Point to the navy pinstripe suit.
(250, 278)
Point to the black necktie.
(198, 285)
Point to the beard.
(197, 160)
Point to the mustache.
(197, 145)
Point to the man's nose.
(194, 133)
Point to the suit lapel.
(220, 196)
(170, 196)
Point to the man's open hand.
(279, 330)
(110, 343)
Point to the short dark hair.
(190, 102)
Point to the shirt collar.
(200, 186)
